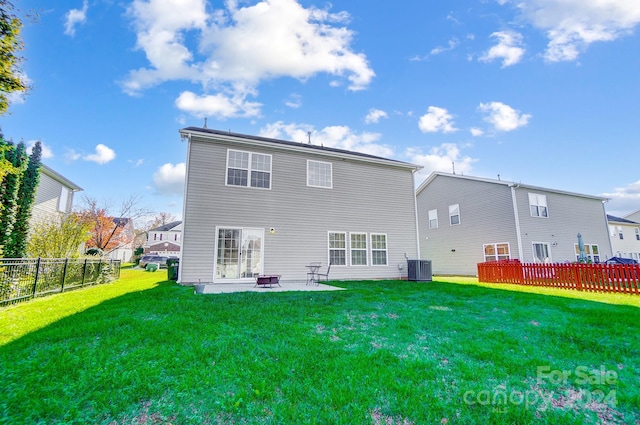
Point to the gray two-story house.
(255, 206)
(467, 220)
(54, 196)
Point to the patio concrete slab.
(225, 288)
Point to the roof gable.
(228, 136)
(506, 183)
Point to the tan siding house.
(263, 206)
(54, 195)
(466, 220)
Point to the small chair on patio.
(323, 276)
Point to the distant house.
(165, 239)
(625, 237)
(256, 205)
(54, 195)
(468, 220)
(125, 240)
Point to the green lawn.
(144, 351)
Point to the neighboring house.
(625, 237)
(165, 239)
(468, 220)
(54, 196)
(125, 239)
(255, 205)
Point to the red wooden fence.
(620, 278)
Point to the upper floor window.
(248, 169)
(64, 199)
(538, 205)
(619, 231)
(637, 234)
(454, 214)
(433, 219)
(319, 174)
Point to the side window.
(338, 248)
(64, 199)
(358, 249)
(433, 219)
(248, 169)
(379, 249)
(454, 214)
(319, 174)
(538, 205)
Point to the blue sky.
(542, 92)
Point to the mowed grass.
(147, 351)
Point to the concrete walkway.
(225, 288)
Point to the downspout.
(415, 210)
(606, 223)
(184, 137)
(517, 221)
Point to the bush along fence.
(619, 278)
(26, 278)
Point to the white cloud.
(169, 179)
(240, 47)
(46, 152)
(340, 137)
(452, 44)
(625, 199)
(293, 101)
(444, 158)
(218, 105)
(436, 120)
(75, 17)
(475, 131)
(103, 154)
(503, 117)
(72, 155)
(374, 116)
(572, 25)
(508, 48)
(137, 163)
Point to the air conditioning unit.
(419, 270)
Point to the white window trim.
(366, 249)
(309, 161)
(433, 216)
(249, 170)
(346, 248)
(455, 207)
(386, 249)
(533, 244)
(495, 247)
(64, 199)
(538, 200)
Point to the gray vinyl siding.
(568, 216)
(486, 216)
(366, 198)
(47, 198)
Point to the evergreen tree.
(16, 155)
(11, 80)
(17, 244)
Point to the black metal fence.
(25, 278)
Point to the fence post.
(64, 274)
(84, 271)
(35, 279)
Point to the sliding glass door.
(238, 253)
